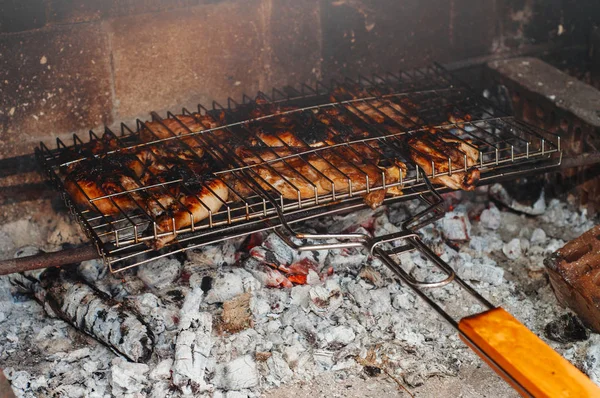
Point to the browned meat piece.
(89, 180)
(194, 201)
(394, 112)
(436, 147)
(179, 125)
(133, 178)
(574, 272)
(342, 168)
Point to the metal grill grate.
(271, 181)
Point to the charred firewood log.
(64, 295)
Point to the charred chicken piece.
(110, 175)
(294, 174)
(170, 182)
(163, 130)
(429, 148)
(394, 112)
(193, 200)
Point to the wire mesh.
(198, 177)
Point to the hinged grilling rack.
(388, 109)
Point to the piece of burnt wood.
(115, 324)
(557, 102)
(574, 272)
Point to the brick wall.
(70, 65)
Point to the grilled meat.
(298, 153)
(395, 113)
(170, 181)
(434, 148)
(295, 174)
(197, 197)
(111, 175)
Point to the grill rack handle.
(497, 337)
(515, 353)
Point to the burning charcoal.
(279, 370)
(325, 299)
(127, 379)
(403, 300)
(237, 315)
(245, 342)
(360, 294)
(19, 380)
(225, 286)
(238, 374)
(92, 312)
(190, 310)
(490, 218)
(300, 295)
(265, 274)
(383, 226)
(566, 329)
(512, 249)
(380, 301)
(215, 256)
(348, 223)
(488, 244)
(283, 253)
(231, 394)
(538, 236)
(162, 389)
(533, 203)
(347, 260)
(456, 226)
(191, 356)
(160, 273)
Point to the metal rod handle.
(47, 260)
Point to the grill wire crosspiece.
(388, 109)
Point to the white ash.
(240, 373)
(351, 308)
(538, 236)
(225, 286)
(490, 218)
(127, 379)
(513, 249)
(193, 345)
(215, 256)
(160, 273)
(455, 225)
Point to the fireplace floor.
(350, 332)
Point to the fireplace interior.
(236, 310)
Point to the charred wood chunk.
(574, 272)
(193, 345)
(566, 329)
(96, 314)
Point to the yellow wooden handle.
(525, 361)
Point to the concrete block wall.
(67, 66)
